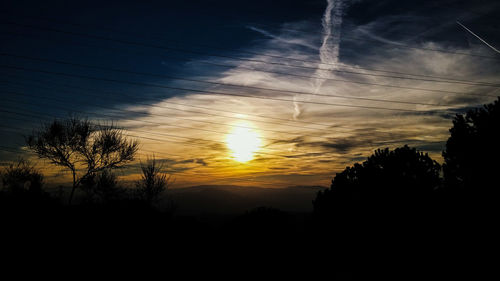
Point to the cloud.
(345, 134)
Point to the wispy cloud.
(347, 134)
(284, 38)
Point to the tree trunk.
(73, 189)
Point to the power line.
(164, 134)
(349, 129)
(196, 129)
(203, 113)
(344, 24)
(45, 117)
(131, 135)
(39, 115)
(349, 81)
(175, 117)
(42, 116)
(183, 104)
(157, 139)
(176, 136)
(173, 172)
(213, 92)
(446, 79)
(182, 110)
(155, 133)
(403, 45)
(100, 27)
(205, 53)
(212, 82)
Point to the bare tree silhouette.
(77, 144)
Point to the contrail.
(481, 39)
(281, 39)
(329, 50)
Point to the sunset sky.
(261, 93)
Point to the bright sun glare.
(243, 142)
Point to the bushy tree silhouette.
(21, 177)
(23, 201)
(388, 179)
(472, 152)
(380, 205)
(79, 145)
(103, 185)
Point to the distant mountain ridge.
(224, 186)
(235, 199)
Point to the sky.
(308, 87)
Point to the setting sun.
(243, 142)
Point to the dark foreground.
(443, 239)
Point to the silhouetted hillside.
(233, 199)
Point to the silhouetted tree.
(77, 144)
(153, 181)
(473, 150)
(385, 180)
(386, 201)
(104, 185)
(22, 176)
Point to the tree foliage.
(472, 151)
(153, 181)
(103, 185)
(22, 176)
(387, 178)
(82, 147)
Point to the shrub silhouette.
(472, 151)
(24, 204)
(103, 185)
(21, 177)
(386, 181)
(77, 144)
(153, 182)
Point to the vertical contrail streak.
(329, 49)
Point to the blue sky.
(58, 58)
